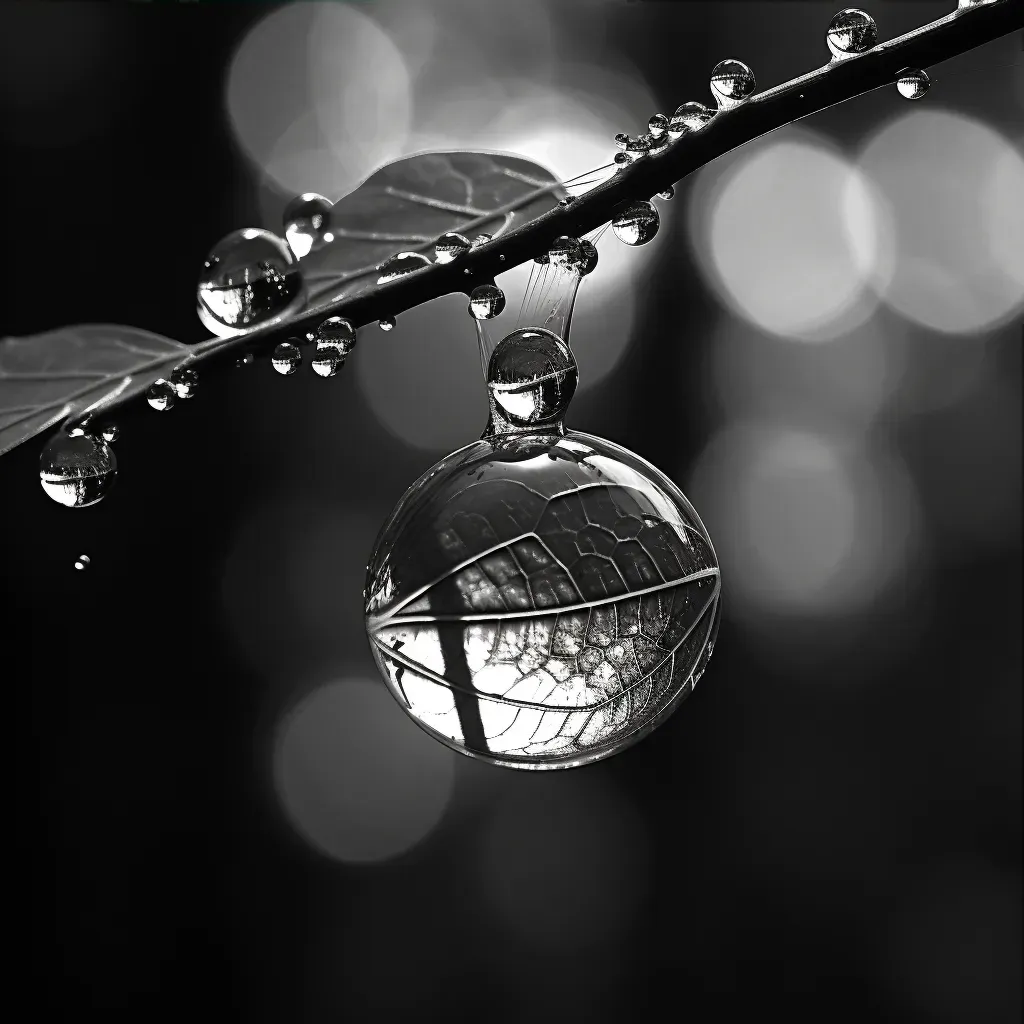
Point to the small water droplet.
(336, 334)
(667, 194)
(185, 382)
(160, 395)
(566, 200)
(621, 158)
(327, 362)
(689, 117)
(307, 223)
(245, 359)
(486, 301)
(110, 433)
(249, 278)
(400, 264)
(732, 83)
(967, 4)
(639, 146)
(83, 562)
(450, 246)
(850, 32)
(482, 239)
(75, 431)
(637, 223)
(912, 83)
(589, 253)
(286, 358)
(658, 125)
(565, 252)
(386, 323)
(77, 470)
(622, 140)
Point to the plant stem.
(763, 113)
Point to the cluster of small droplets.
(912, 83)
(185, 381)
(335, 338)
(689, 117)
(386, 323)
(850, 32)
(450, 246)
(161, 395)
(307, 223)
(486, 301)
(636, 223)
(400, 264)
(77, 468)
(286, 358)
(732, 83)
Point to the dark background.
(828, 829)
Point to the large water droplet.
(912, 83)
(850, 32)
(110, 433)
(161, 395)
(637, 223)
(486, 301)
(400, 264)
(77, 470)
(286, 358)
(732, 82)
(386, 323)
(83, 562)
(185, 382)
(450, 246)
(307, 223)
(658, 125)
(337, 334)
(589, 253)
(565, 252)
(249, 278)
(531, 378)
(689, 117)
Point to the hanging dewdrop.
(637, 223)
(912, 83)
(486, 301)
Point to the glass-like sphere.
(77, 469)
(532, 377)
(542, 599)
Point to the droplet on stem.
(667, 194)
(286, 358)
(637, 223)
(639, 146)
(450, 246)
(161, 395)
(486, 301)
(732, 83)
(184, 382)
(337, 334)
(850, 32)
(249, 278)
(658, 125)
(589, 252)
(912, 83)
(622, 140)
(386, 323)
(482, 239)
(690, 117)
(77, 470)
(83, 562)
(307, 223)
(565, 252)
(110, 433)
(400, 264)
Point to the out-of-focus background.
(217, 808)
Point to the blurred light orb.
(356, 779)
(327, 79)
(952, 187)
(787, 237)
(803, 526)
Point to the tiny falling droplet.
(637, 223)
(307, 223)
(667, 194)
(400, 264)
(450, 246)
(110, 433)
(850, 32)
(161, 395)
(77, 470)
(83, 562)
(690, 117)
(912, 83)
(245, 359)
(286, 358)
(486, 301)
(184, 382)
(732, 83)
(386, 323)
(657, 125)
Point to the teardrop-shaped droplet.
(589, 252)
(850, 32)
(637, 223)
(400, 264)
(245, 359)
(565, 252)
(110, 433)
(531, 378)
(486, 301)
(307, 223)
(689, 117)
(77, 470)
(337, 334)
(622, 140)
(386, 323)
(161, 395)
(450, 246)
(83, 562)
(912, 83)
(286, 358)
(249, 278)
(658, 125)
(185, 381)
(732, 83)
(667, 194)
(327, 362)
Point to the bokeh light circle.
(357, 780)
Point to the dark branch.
(763, 113)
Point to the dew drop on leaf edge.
(161, 395)
(77, 470)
